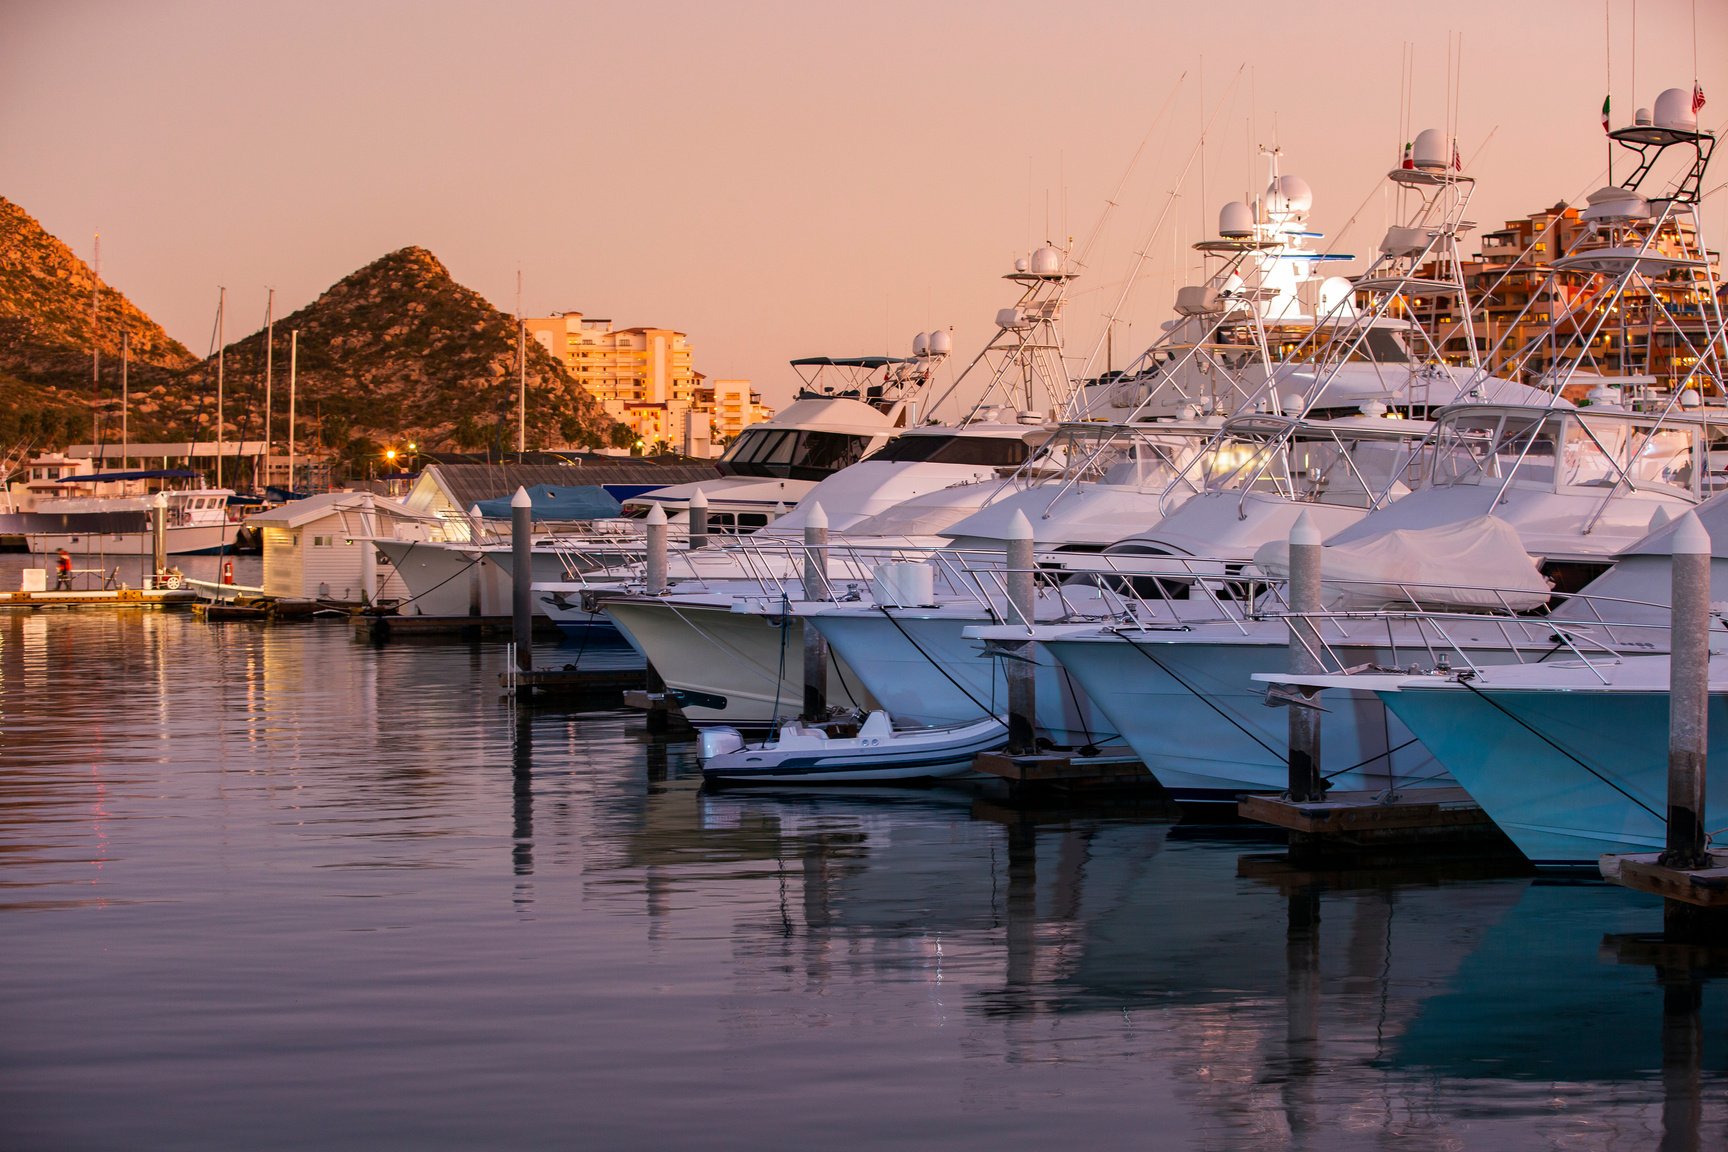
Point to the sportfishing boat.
(1521, 504)
(65, 503)
(870, 752)
(1568, 757)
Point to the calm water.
(272, 888)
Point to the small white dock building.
(320, 549)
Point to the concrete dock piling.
(657, 567)
(698, 511)
(815, 587)
(522, 578)
(1017, 667)
(1304, 594)
(1688, 694)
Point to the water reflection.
(231, 848)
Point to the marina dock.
(100, 598)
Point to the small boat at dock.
(824, 753)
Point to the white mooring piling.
(522, 577)
(815, 588)
(1017, 666)
(698, 510)
(657, 567)
(1688, 694)
(1304, 595)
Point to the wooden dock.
(571, 680)
(101, 598)
(379, 627)
(1642, 872)
(1426, 818)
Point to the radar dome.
(1289, 196)
(941, 343)
(1236, 221)
(1641, 118)
(1429, 153)
(921, 344)
(1010, 318)
(1047, 261)
(1615, 204)
(1020, 264)
(1337, 294)
(1674, 110)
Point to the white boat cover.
(1477, 563)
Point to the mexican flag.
(1604, 113)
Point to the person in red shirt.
(63, 568)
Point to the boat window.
(1384, 346)
(1586, 464)
(1527, 447)
(791, 454)
(990, 451)
(1662, 456)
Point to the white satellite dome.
(1236, 221)
(1337, 294)
(1288, 196)
(1674, 110)
(1020, 264)
(1641, 118)
(1615, 204)
(1429, 152)
(1047, 261)
(941, 343)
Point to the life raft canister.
(227, 571)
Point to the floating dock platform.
(380, 627)
(101, 598)
(1643, 872)
(1345, 822)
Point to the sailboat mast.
(293, 365)
(96, 349)
(521, 372)
(269, 353)
(125, 397)
(221, 340)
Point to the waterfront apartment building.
(644, 379)
(1515, 302)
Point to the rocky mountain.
(395, 352)
(399, 352)
(47, 330)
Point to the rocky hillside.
(47, 331)
(393, 353)
(399, 351)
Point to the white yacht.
(65, 503)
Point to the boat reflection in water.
(349, 887)
(1265, 1002)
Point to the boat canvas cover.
(558, 502)
(1476, 563)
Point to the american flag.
(1697, 97)
(1457, 160)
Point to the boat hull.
(728, 667)
(923, 669)
(1198, 721)
(183, 540)
(1568, 776)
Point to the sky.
(786, 179)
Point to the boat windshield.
(1568, 449)
(791, 453)
(991, 451)
(1316, 467)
